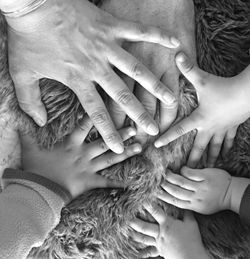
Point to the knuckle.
(103, 146)
(142, 30)
(106, 75)
(199, 148)
(110, 161)
(112, 138)
(125, 97)
(144, 119)
(100, 116)
(138, 69)
(157, 86)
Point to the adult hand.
(170, 238)
(73, 164)
(223, 106)
(176, 17)
(78, 44)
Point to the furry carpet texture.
(95, 225)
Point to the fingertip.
(118, 148)
(132, 132)
(158, 144)
(175, 42)
(40, 116)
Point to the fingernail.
(176, 43)
(40, 121)
(137, 148)
(118, 149)
(131, 132)
(152, 129)
(158, 144)
(169, 99)
(181, 58)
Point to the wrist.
(243, 80)
(237, 189)
(29, 16)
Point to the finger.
(145, 228)
(200, 143)
(110, 159)
(150, 252)
(156, 212)
(192, 174)
(127, 101)
(192, 72)
(29, 98)
(148, 101)
(79, 134)
(177, 192)
(229, 140)
(181, 128)
(168, 114)
(99, 147)
(96, 109)
(180, 181)
(134, 31)
(214, 149)
(166, 197)
(130, 66)
(143, 239)
(101, 182)
(116, 112)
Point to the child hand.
(170, 238)
(73, 164)
(205, 191)
(223, 106)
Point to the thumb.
(191, 71)
(29, 98)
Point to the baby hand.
(205, 191)
(170, 238)
(74, 164)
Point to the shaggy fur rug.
(95, 225)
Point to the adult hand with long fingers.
(177, 17)
(223, 106)
(78, 44)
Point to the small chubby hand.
(169, 237)
(205, 191)
(223, 106)
(73, 163)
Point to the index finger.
(134, 31)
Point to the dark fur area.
(95, 225)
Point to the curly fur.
(95, 225)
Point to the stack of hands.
(89, 49)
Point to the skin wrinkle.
(91, 228)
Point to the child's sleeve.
(30, 207)
(245, 206)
